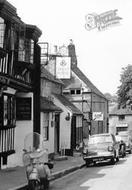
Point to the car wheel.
(117, 159)
(112, 161)
(130, 152)
(87, 163)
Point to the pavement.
(15, 178)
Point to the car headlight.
(110, 148)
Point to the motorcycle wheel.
(34, 185)
(44, 184)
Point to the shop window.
(119, 129)
(2, 32)
(121, 117)
(46, 126)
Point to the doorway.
(57, 133)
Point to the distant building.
(120, 120)
(61, 121)
(84, 95)
(78, 89)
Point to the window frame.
(121, 117)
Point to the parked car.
(122, 146)
(101, 147)
(127, 139)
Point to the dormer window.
(78, 91)
(75, 91)
(72, 91)
(2, 32)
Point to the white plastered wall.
(48, 144)
(65, 126)
(21, 130)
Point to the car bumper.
(98, 157)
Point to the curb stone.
(54, 176)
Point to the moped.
(35, 159)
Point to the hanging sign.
(63, 67)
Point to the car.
(124, 135)
(122, 146)
(101, 147)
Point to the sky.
(101, 55)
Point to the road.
(99, 177)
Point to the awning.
(68, 104)
(48, 106)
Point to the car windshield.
(100, 139)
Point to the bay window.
(26, 50)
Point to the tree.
(124, 91)
(112, 98)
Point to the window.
(72, 91)
(100, 126)
(23, 108)
(75, 91)
(78, 91)
(9, 110)
(2, 32)
(26, 50)
(46, 126)
(121, 117)
(29, 50)
(118, 129)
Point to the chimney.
(72, 53)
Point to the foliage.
(125, 89)
(111, 98)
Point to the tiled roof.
(68, 104)
(48, 106)
(47, 75)
(81, 75)
(122, 111)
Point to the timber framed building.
(19, 83)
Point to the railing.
(8, 68)
(7, 135)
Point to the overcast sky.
(101, 54)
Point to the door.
(73, 133)
(57, 133)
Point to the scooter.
(35, 159)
